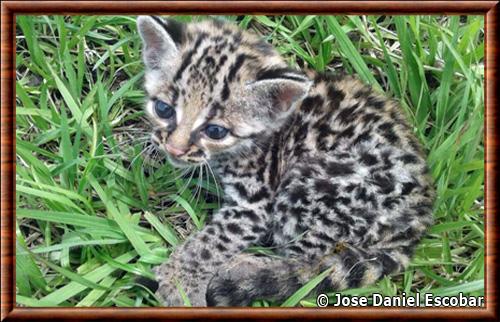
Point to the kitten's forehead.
(218, 51)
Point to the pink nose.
(175, 151)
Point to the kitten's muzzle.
(175, 151)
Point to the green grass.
(93, 212)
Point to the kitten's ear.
(280, 94)
(161, 39)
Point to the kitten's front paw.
(173, 279)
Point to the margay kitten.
(320, 167)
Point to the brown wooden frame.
(9, 9)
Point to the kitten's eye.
(163, 110)
(216, 132)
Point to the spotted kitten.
(321, 168)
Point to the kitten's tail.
(250, 277)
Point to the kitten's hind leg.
(249, 277)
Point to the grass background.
(93, 212)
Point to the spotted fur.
(321, 168)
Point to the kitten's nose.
(175, 151)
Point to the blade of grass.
(350, 52)
(306, 289)
(73, 288)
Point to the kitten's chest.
(260, 168)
